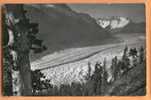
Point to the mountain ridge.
(60, 27)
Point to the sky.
(135, 12)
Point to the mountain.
(113, 22)
(121, 24)
(60, 27)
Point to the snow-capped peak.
(113, 22)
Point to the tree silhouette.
(114, 67)
(20, 39)
(133, 52)
(39, 82)
(125, 62)
(141, 54)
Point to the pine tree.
(96, 78)
(88, 75)
(39, 82)
(103, 78)
(114, 67)
(125, 62)
(141, 54)
(125, 53)
(133, 52)
(22, 38)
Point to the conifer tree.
(125, 62)
(103, 77)
(21, 40)
(141, 54)
(114, 66)
(88, 75)
(125, 53)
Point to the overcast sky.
(136, 12)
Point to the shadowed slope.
(131, 83)
(62, 28)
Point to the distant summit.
(121, 24)
(113, 22)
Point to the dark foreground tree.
(141, 54)
(19, 38)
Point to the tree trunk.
(19, 50)
(25, 72)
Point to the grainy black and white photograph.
(74, 49)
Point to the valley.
(71, 65)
